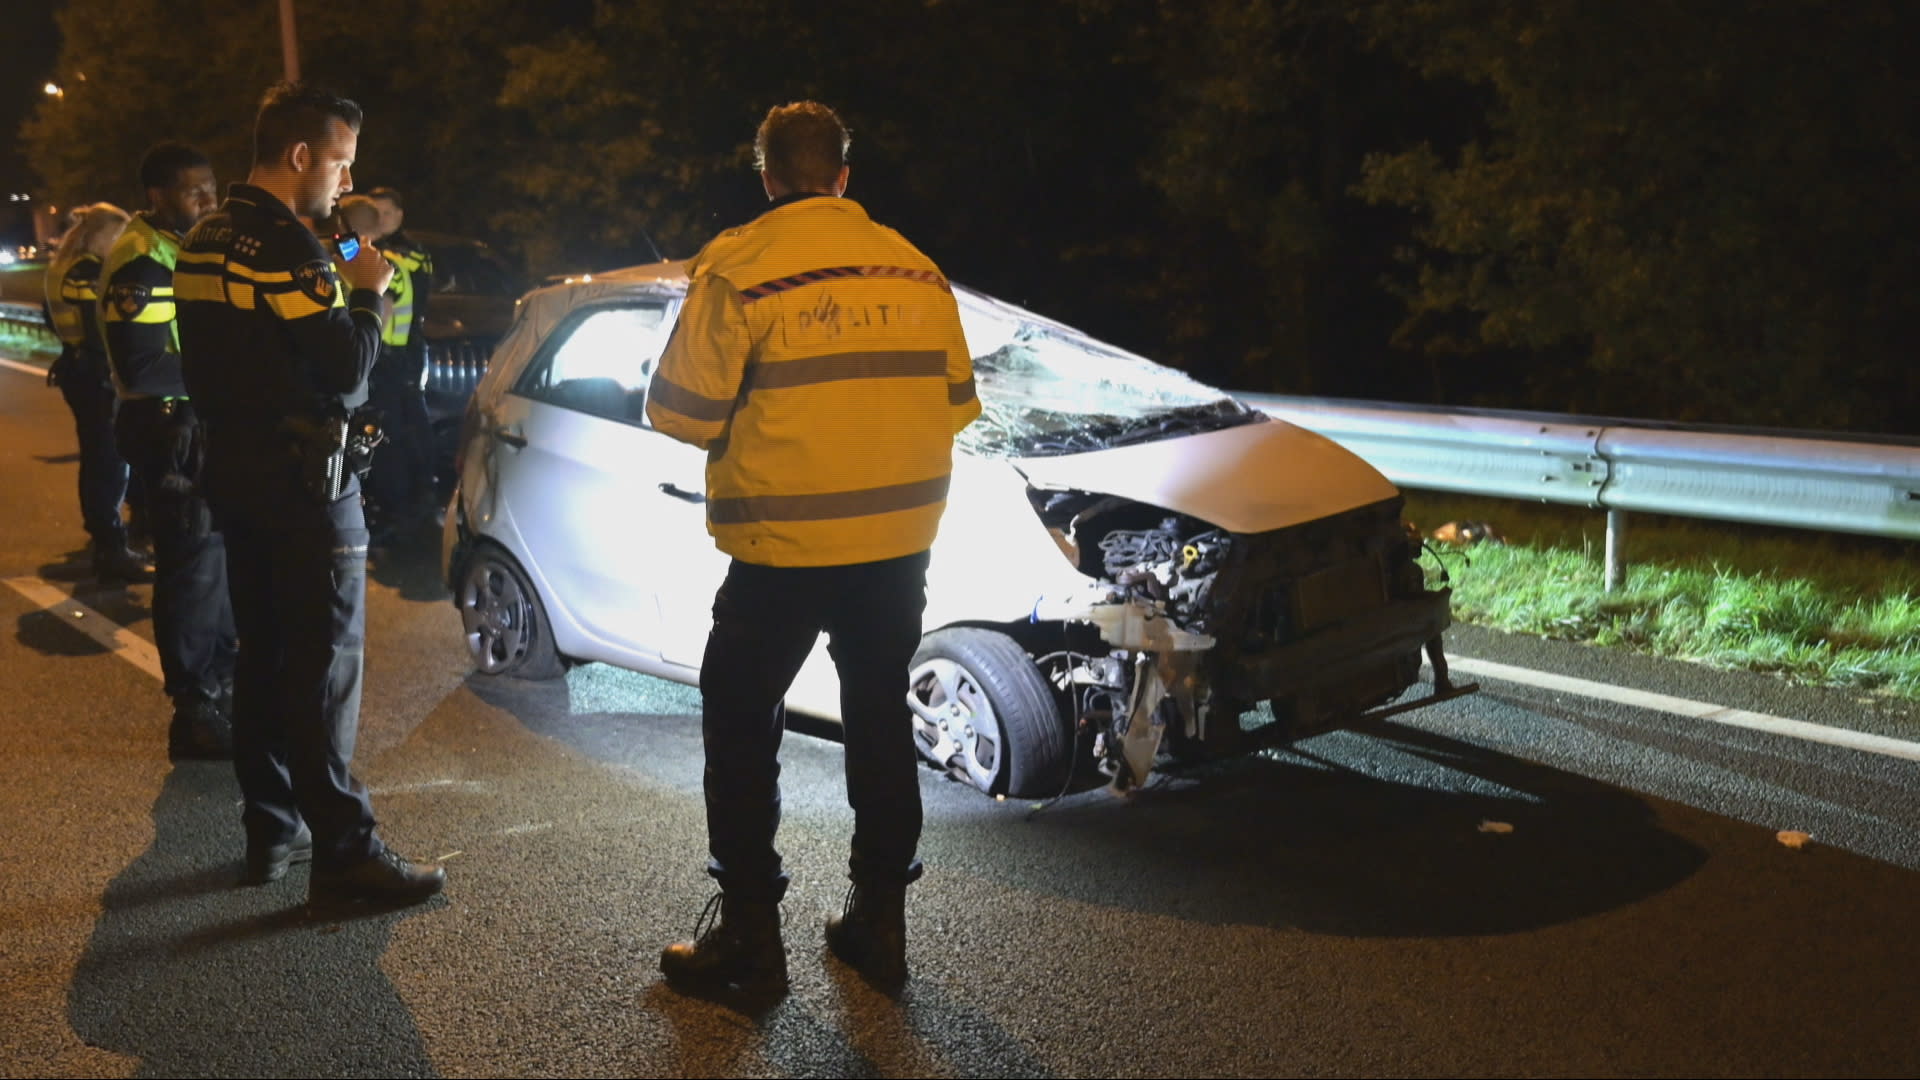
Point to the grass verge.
(1822, 609)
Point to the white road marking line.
(468, 787)
(1698, 710)
(29, 369)
(122, 642)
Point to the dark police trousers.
(299, 591)
(765, 621)
(401, 480)
(193, 625)
(103, 472)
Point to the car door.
(583, 480)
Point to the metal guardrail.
(27, 317)
(1811, 480)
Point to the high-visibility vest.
(819, 360)
(72, 297)
(399, 328)
(143, 238)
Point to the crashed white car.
(1130, 563)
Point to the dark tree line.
(1698, 211)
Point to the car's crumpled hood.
(1248, 479)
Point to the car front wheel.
(506, 627)
(983, 712)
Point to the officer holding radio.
(279, 331)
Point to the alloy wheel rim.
(954, 724)
(496, 616)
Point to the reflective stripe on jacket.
(137, 310)
(272, 335)
(73, 299)
(819, 360)
(399, 326)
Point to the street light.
(53, 90)
(289, 42)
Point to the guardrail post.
(1616, 549)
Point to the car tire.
(505, 625)
(983, 713)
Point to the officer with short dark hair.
(829, 443)
(281, 333)
(159, 437)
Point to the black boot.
(870, 935)
(383, 878)
(741, 949)
(113, 561)
(267, 861)
(200, 729)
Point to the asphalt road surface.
(1525, 881)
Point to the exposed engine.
(1170, 564)
(1197, 625)
(1166, 560)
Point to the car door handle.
(511, 438)
(682, 493)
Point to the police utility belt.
(329, 446)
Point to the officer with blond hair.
(81, 373)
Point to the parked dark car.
(474, 290)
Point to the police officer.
(81, 372)
(399, 482)
(192, 616)
(819, 361)
(281, 334)
(395, 240)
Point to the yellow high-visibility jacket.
(68, 300)
(819, 361)
(137, 306)
(73, 298)
(398, 329)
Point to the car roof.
(548, 302)
(669, 279)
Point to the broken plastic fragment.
(1496, 826)
(1793, 838)
(1468, 533)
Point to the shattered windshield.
(1047, 390)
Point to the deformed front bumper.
(1336, 657)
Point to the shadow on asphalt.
(196, 976)
(409, 563)
(1390, 831)
(920, 1032)
(47, 633)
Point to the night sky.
(31, 45)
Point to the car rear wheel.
(983, 712)
(506, 627)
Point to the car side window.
(601, 362)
